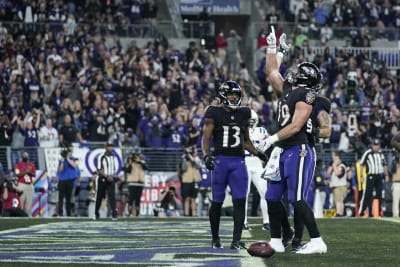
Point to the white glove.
(271, 38)
(267, 143)
(283, 46)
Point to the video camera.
(64, 153)
(8, 183)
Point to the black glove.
(209, 161)
(262, 156)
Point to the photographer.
(11, 198)
(134, 170)
(190, 177)
(353, 94)
(67, 175)
(25, 171)
(170, 202)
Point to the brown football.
(261, 249)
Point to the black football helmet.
(305, 74)
(229, 87)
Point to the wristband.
(274, 138)
(271, 50)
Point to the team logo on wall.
(93, 156)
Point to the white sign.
(87, 159)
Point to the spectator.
(233, 54)
(25, 171)
(272, 18)
(204, 22)
(48, 135)
(221, 43)
(67, 174)
(30, 129)
(68, 133)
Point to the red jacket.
(12, 200)
(25, 172)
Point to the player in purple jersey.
(227, 126)
(296, 160)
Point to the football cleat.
(216, 244)
(246, 227)
(296, 244)
(277, 245)
(287, 236)
(238, 245)
(316, 245)
(266, 227)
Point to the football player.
(227, 125)
(318, 126)
(296, 160)
(254, 170)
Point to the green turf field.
(184, 242)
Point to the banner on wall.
(87, 159)
(155, 182)
(214, 6)
(40, 197)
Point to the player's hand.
(271, 38)
(266, 143)
(262, 156)
(209, 161)
(283, 46)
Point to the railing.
(391, 56)
(158, 159)
(126, 30)
(198, 29)
(388, 33)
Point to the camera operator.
(134, 170)
(170, 202)
(353, 92)
(11, 198)
(190, 177)
(67, 175)
(25, 171)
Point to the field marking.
(122, 242)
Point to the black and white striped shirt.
(374, 161)
(109, 164)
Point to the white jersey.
(48, 137)
(254, 170)
(257, 134)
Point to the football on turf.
(261, 249)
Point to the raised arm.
(272, 64)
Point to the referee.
(107, 168)
(374, 162)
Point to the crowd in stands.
(154, 96)
(358, 84)
(330, 14)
